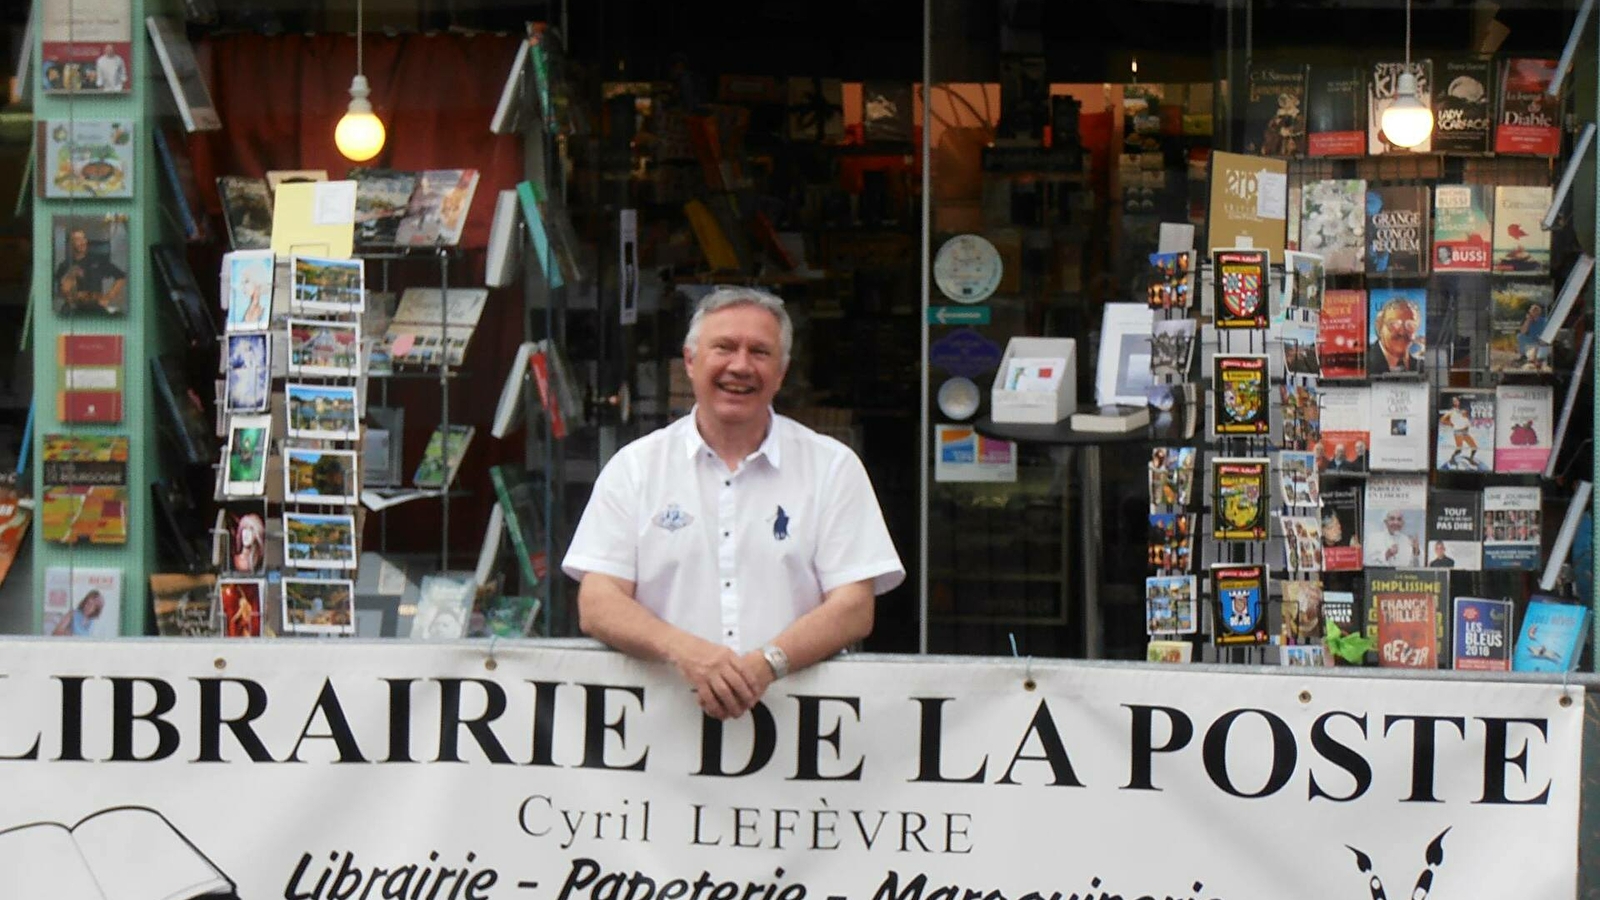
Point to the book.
(1462, 236)
(1302, 543)
(1407, 606)
(1240, 610)
(507, 118)
(1529, 120)
(1171, 476)
(1336, 111)
(1333, 224)
(1248, 201)
(81, 601)
(1463, 113)
(1239, 388)
(132, 847)
(1171, 605)
(1304, 277)
(1297, 478)
(517, 496)
(382, 197)
(1346, 424)
(444, 607)
(1571, 287)
(382, 463)
(508, 410)
(85, 489)
(186, 420)
(1466, 431)
(1239, 499)
(1301, 405)
(1274, 113)
(1455, 530)
(1396, 331)
(15, 514)
(1168, 651)
(1111, 419)
(1342, 334)
(436, 213)
(183, 76)
(1397, 230)
(184, 604)
(1569, 404)
(1396, 511)
(505, 251)
(1482, 635)
(189, 304)
(552, 261)
(1302, 613)
(85, 159)
(1171, 542)
(89, 378)
(246, 211)
(1520, 312)
(1341, 617)
(1521, 243)
(431, 326)
(83, 49)
(1400, 421)
(1577, 515)
(1522, 418)
(1382, 86)
(1122, 366)
(1241, 287)
(177, 172)
(1341, 528)
(1171, 277)
(276, 177)
(1552, 636)
(89, 259)
(443, 456)
(1512, 530)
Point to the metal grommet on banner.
(1028, 683)
(219, 664)
(1566, 693)
(491, 664)
(1305, 696)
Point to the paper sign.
(1272, 194)
(333, 203)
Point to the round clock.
(958, 398)
(967, 268)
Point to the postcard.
(326, 285)
(241, 605)
(249, 373)
(319, 476)
(247, 282)
(317, 541)
(318, 606)
(249, 445)
(323, 347)
(323, 412)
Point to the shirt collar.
(693, 442)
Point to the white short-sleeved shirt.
(734, 557)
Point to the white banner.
(352, 771)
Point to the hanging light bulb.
(1407, 121)
(360, 133)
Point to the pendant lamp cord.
(1408, 32)
(359, 70)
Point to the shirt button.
(727, 584)
(727, 533)
(728, 483)
(730, 632)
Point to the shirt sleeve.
(854, 543)
(606, 540)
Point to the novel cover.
(1463, 115)
(1466, 431)
(1407, 606)
(1521, 310)
(1336, 116)
(1512, 529)
(1341, 528)
(1521, 245)
(1274, 117)
(1341, 614)
(1522, 414)
(1342, 334)
(1455, 530)
(1345, 430)
(1333, 216)
(1240, 592)
(1239, 208)
(1397, 231)
(1552, 636)
(1396, 508)
(1529, 121)
(1381, 89)
(1239, 503)
(1462, 237)
(1240, 391)
(1396, 331)
(1482, 635)
(1400, 421)
(1241, 287)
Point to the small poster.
(90, 275)
(962, 454)
(85, 159)
(86, 47)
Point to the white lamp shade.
(1407, 122)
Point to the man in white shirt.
(110, 72)
(735, 543)
(1395, 548)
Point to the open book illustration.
(118, 853)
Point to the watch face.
(967, 269)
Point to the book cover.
(1455, 530)
(1521, 245)
(177, 171)
(81, 601)
(1482, 635)
(1342, 334)
(89, 378)
(184, 604)
(1302, 613)
(1304, 277)
(1466, 431)
(85, 159)
(1333, 224)
(443, 456)
(1512, 530)
(1336, 114)
(382, 198)
(1171, 542)
(182, 71)
(1341, 528)
(1302, 543)
(1241, 611)
(1240, 499)
(1341, 615)
(1171, 476)
(247, 211)
(1274, 113)
(1241, 287)
(1396, 331)
(1302, 417)
(1171, 605)
(1240, 392)
(1299, 334)
(85, 489)
(1248, 200)
(1381, 88)
(1463, 114)
(1168, 651)
(1172, 347)
(1172, 278)
(518, 497)
(437, 210)
(1407, 606)
(1522, 422)
(1529, 122)
(1520, 312)
(1400, 421)
(14, 519)
(1297, 478)
(886, 107)
(1346, 422)
(1397, 230)
(89, 258)
(1462, 237)
(444, 607)
(431, 325)
(85, 47)
(1552, 636)
(185, 298)
(1396, 510)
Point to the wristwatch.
(777, 659)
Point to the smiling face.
(736, 364)
(1397, 327)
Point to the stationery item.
(315, 219)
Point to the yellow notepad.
(314, 219)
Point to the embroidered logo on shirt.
(780, 526)
(672, 518)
